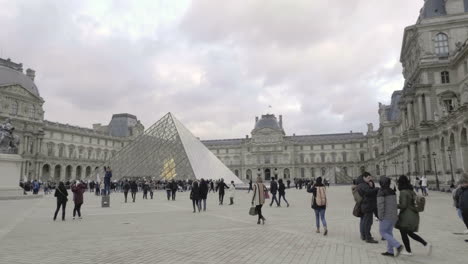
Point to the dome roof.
(267, 121)
(9, 76)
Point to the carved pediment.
(20, 91)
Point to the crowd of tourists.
(394, 205)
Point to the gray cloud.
(216, 64)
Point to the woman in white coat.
(232, 192)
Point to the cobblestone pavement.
(161, 231)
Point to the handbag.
(357, 210)
(253, 210)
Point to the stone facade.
(424, 129)
(50, 150)
(269, 152)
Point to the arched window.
(441, 46)
(445, 77)
(14, 108)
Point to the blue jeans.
(320, 214)
(106, 188)
(386, 231)
(365, 226)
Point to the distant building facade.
(51, 150)
(269, 152)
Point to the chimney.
(246, 136)
(256, 119)
(31, 74)
(281, 121)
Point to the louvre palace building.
(422, 131)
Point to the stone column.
(457, 157)
(405, 160)
(410, 115)
(62, 172)
(424, 162)
(403, 120)
(428, 108)
(420, 109)
(412, 158)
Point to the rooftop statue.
(8, 141)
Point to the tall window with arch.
(445, 77)
(32, 111)
(441, 46)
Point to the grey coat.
(387, 207)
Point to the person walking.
(258, 198)
(463, 200)
(126, 188)
(133, 189)
(232, 192)
(282, 192)
(212, 188)
(174, 187)
(195, 196)
(168, 190)
(78, 190)
(408, 219)
(151, 189)
(319, 204)
(368, 192)
(107, 180)
(203, 192)
(61, 194)
(221, 187)
(250, 186)
(273, 191)
(145, 190)
(387, 211)
(456, 193)
(424, 186)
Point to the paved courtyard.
(161, 231)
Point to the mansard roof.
(9, 76)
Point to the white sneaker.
(428, 249)
(406, 253)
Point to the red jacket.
(78, 191)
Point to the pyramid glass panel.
(167, 150)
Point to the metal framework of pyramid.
(166, 151)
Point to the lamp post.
(424, 165)
(449, 151)
(435, 167)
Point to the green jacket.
(408, 219)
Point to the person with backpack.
(368, 205)
(319, 203)
(387, 211)
(282, 192)
(410, 205)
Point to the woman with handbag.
(258, 198)
(61, 194)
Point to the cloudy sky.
(215, 64)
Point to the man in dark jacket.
(368, 192)
(126, 188)
(221, 186)
(273, 191)
(463, 200)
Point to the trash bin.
(105, 201)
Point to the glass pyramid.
(168, 150)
